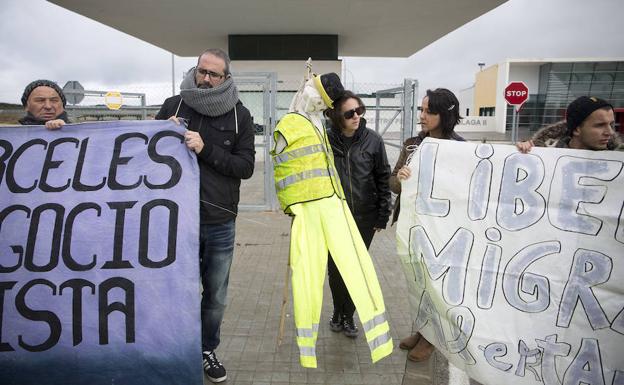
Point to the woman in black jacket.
(362, 165)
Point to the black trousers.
(342, 300)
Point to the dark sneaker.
(349, 328)
(335, 323)
(213, 368)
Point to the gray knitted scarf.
(209, 101)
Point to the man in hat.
(308, 189)
(220, 131)
(44, 103)
(589, 125)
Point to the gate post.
(410, 87)
(377, 111)
(266, 83)
(269, 128)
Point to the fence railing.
(406, 109)
(100, 110)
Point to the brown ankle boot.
(408, 343)
(422, 351)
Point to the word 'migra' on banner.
(497, 244)
(98, 255)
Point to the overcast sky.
(42, 40)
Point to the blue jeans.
(216, 248)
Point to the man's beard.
(204, 85)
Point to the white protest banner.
(515, 262)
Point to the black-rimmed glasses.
(211, 75)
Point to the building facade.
(553, 84)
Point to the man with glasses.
(220, 131)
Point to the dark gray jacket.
(227, 156)
(364, 171)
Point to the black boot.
(335, 323)
(349, 328)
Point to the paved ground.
(249, 332)
(249, 348)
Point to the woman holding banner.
(438, 116)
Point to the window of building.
(561, 83)
(602, 84)
(486, 111)
(580, 83)
(610, 66)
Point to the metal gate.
(395, 112)
(394, 120)
(257, 92)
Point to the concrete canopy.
(381, 28)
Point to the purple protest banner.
(99, 231)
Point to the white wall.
(527, 72)
(466, 100)
(477, 124)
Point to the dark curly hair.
(335, 115)
(444, 103)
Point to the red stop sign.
(516, 93)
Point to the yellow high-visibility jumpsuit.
(308, 188)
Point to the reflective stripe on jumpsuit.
(324, 223)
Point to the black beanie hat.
(581, 108)
(332, 86)
(42, 83)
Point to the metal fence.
(391, 112)
(403, 110)
(258, 92)
(93, 105)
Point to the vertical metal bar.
(172, 75)
(413, 106)
(143, 107)
(407, 113)
(514, 126)
(377, 112)
(266, 97)
(271, 197)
